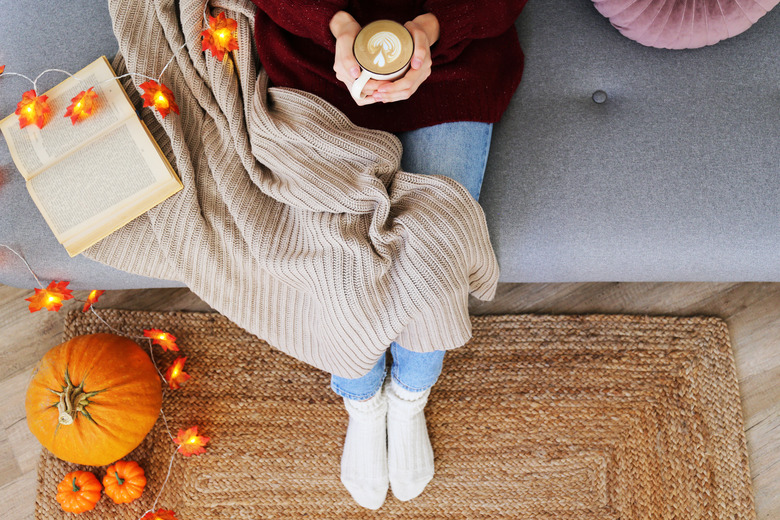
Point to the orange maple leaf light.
(165, 340)
(218, 38)
(2, 69)
(32, 109)
(175, 375)
(159, 96)
(190, 443)
(51, 297)
(92, 298)
(161, 514)
(82, 105)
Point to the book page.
(87, 235)
(33, 149)
(88, 185)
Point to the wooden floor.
(752, 311)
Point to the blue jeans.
(456, 150)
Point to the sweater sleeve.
(463, 21)
(305, 18)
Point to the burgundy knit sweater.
(477, 61)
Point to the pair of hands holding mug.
(425, 32)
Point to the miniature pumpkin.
(93, 399)
(124, 481)
(79, 491)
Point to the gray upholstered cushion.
(673, 177)
(676, 176)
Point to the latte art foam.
(385, 46)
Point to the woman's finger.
(404, 83)
(398, 90)
(375, 84)
(371, 86)
(368, 100)
(406, 86)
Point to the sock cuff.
(406, 395)
(372, 403)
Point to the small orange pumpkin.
(124, 481)
(93, 399)
(79, 491)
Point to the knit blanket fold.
(294, 223)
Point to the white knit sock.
(364, 460)
(410, 455)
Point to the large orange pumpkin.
(93, 399)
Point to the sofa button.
(599, 96)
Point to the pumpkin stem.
(73, 400)
(118, 479)
(64, 408)
(75, 487)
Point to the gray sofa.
(614, 161)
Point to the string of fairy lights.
(33, 109)
(187, 441)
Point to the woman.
(465, 67)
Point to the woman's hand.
(425, 32)
(345, 28)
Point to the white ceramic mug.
(383, 49)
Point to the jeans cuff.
(358, 397)
(394, 375)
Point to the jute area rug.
(537, 417)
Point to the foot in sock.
(364, 460)
(410, 454)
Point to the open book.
(91, 178)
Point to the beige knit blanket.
(294, 223)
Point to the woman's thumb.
(354, 71)
(420, 48)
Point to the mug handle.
(357, 87)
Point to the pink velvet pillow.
(682, 24)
